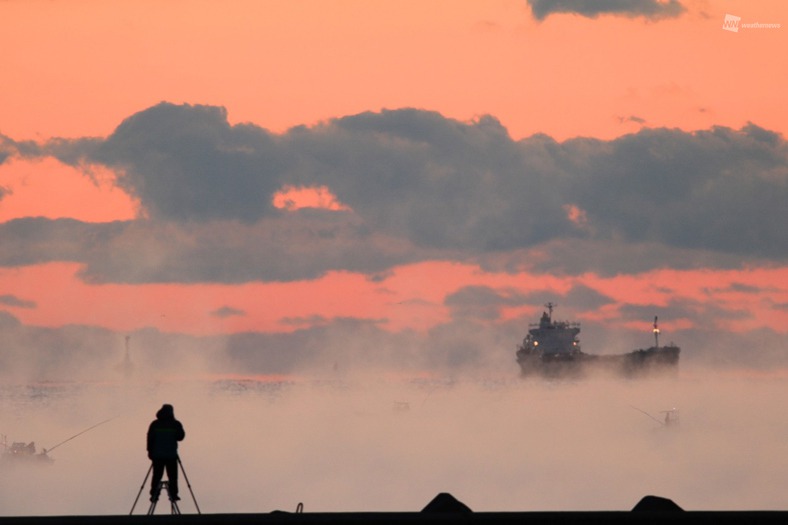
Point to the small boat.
(552, 349)
(20, 452)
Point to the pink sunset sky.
(577, 98)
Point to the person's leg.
(158, 472)
(172, 476)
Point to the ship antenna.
(656, 332)
(550, 306)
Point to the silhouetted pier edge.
(407, 518)
(443, 510)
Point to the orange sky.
(78, 68)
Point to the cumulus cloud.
(414, 186)
(650, 9)
(186, 163)
(702, 190)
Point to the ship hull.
(651, 361)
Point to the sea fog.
(377, 442)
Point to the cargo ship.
(552, 349)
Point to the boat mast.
(549, 307)
(656, 333)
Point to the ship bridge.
(550, 337)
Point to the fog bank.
(371, 443)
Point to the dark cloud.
(608, 257)
(441, 183)
(632, 118)
(569, 304)
(305, 245)
(186, 163)
(418, 186)
(586, 298)
(10, 148)
(227, 311)
(36, 240)
(482, 302)
(12, 300)
(650, 9)
(741, 288)
(6, 149)
(718, 190)
(301, 322)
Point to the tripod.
(174, 509)
(155, 499)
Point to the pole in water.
(141, 488)
(649, 415)
(189, 485)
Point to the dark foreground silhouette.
(444, 509)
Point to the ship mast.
(549, 307)
(656, 333)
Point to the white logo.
(731, 23)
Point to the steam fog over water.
(385, 443)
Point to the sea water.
(383, 443)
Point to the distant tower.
(127, 367)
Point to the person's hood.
(165, 412)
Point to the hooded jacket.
(164, 434)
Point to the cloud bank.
(416, 186)
(649, 9)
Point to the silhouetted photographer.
(163, 436)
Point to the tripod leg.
(189, 485)
(141, 487)
(156, 494)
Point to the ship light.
(536, 343)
